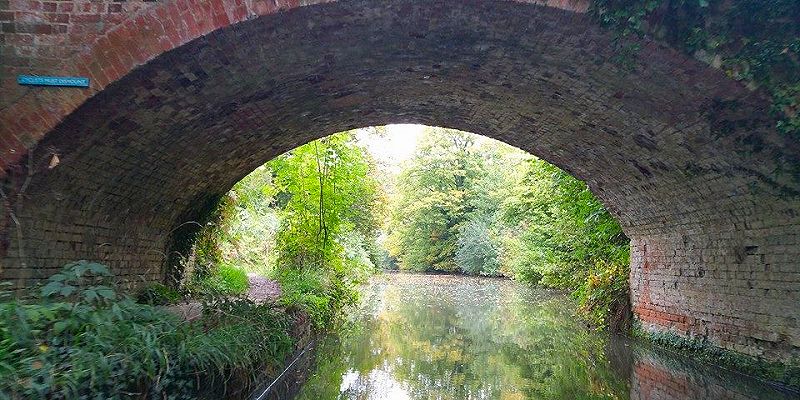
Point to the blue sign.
(71, 81)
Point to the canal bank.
(275, 381)
(78, 337)
(285, 383)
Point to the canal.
(455, 337)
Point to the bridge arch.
(189, 96)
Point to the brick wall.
(657, 378)
(189, 96)
(737, 288)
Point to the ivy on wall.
(754, 41)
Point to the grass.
(321, 294)
(78, 338)
(224, 279)
(158, 294)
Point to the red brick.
(62, 18)
(553, 94)
(85, 18)
(65, 7)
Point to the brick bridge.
(188, 96)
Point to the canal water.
(453, 337)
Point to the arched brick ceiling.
(655, 143)
(685, 158)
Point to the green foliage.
(327, 192)
(223, 279)
(786, 101)
(206, 251)
(247, 234)
(567, 230)
(437, 193)
(158, 294)
(308, 219)
(477, 252)
(701, 349)
(754, 41)
(628, 17)
(328, 202)
(80, 281)
(605, 293)
(568, 240)
(80, 339)
(321, 294)
(357, 256)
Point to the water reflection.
(445, 337)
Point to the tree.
(435, 197)
(477, 252)
(325, 191)
(565, 228)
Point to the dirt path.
(262, 290)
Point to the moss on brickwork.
(702, 350)
(753, 41)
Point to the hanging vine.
(754, 41)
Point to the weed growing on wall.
(702, 350)
(754, 41)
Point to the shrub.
(604, 296)
(80, 339)
(223, 279)
(158, 294)
(357, 262)
(321, 294)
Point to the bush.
(80, 339)
(604, 296)
(321, 294)
(158, 294)
(357, 261)
(223, 279)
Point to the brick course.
(654, 377)
(189, 96)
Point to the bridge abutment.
(189, 96)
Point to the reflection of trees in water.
(430, 349)
(458, 338)
(450, 340)
(556, 358)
